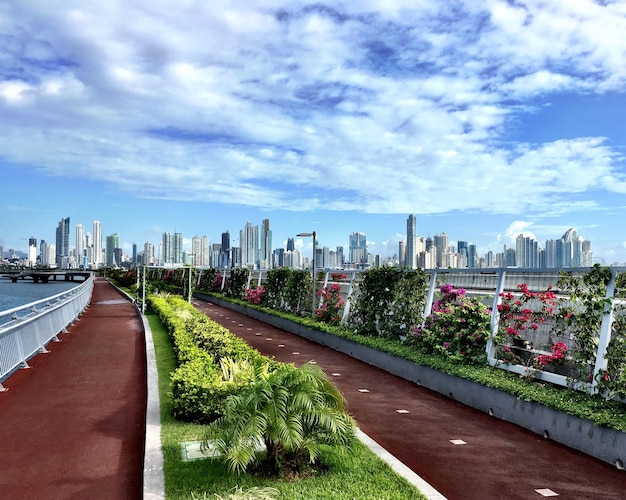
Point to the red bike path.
(419, 427)
(73, 425)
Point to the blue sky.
(485, 119)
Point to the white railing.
(489, 284)
(26, 330)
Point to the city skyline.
(485, 119)
(255, 250)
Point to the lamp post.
(190, 276)
(314, 234)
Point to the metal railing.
(489, 284)
(26, 330)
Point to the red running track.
(73, 425)
(499, 460)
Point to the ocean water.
(25, 291)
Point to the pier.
(44, 276)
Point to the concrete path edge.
(153, 476)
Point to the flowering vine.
(331, 310)
(458, 327)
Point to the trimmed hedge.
(198, 388)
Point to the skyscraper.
(265, 250)
(113, 242)
(357, 248)
(411, 237)
(32, 251)
(148, 254)
(172, 248)
(80, 245)
(249, 238)
(225, 261)
(97, 243)
(63, 243)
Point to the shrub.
(458, 327)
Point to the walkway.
(461, 452)
(73, 425)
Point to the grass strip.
(359, 474)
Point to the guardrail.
(488, 284)
(26, 330)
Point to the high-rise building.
(32, 251)
(357, 248)
(291, 244)
(526, 252)
(265, 250)
(205, 251)
(43, 253)
(249, 238)
(196, 250)
(172, 249)
(225, 251)
(112, 243)
(441, 244)
(63, 243)
(148, 254)
(411, 237)
(80, 245)
(97, 244)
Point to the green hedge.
(198, 389)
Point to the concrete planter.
(603, 443)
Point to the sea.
(25, 291)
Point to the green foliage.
(287, 290)
(592, 407)
(359, 474)
(292, 411)
(198, 389)
(124, 278)
(332, 307)
(582, 320)
(389, 301)
(458, 327)
(237, 283)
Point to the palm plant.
(291, 412)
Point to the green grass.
(358, 474)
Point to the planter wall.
(603, 443)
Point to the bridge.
(44, 276)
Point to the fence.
(489, 284)
(31, 327)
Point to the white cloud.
(350, 105)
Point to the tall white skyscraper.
(411, 238)
(249, 239)
(148, 254)
(97, 244)
(80, 245)
(205, 246)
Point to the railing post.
(495, 315)
(605, 332)
(429, 299)
(346, 307)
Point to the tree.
(292, 412)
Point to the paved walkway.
(73, 425)
(491, 459)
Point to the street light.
(314, 234)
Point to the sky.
(485, 118)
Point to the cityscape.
(92, 250)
